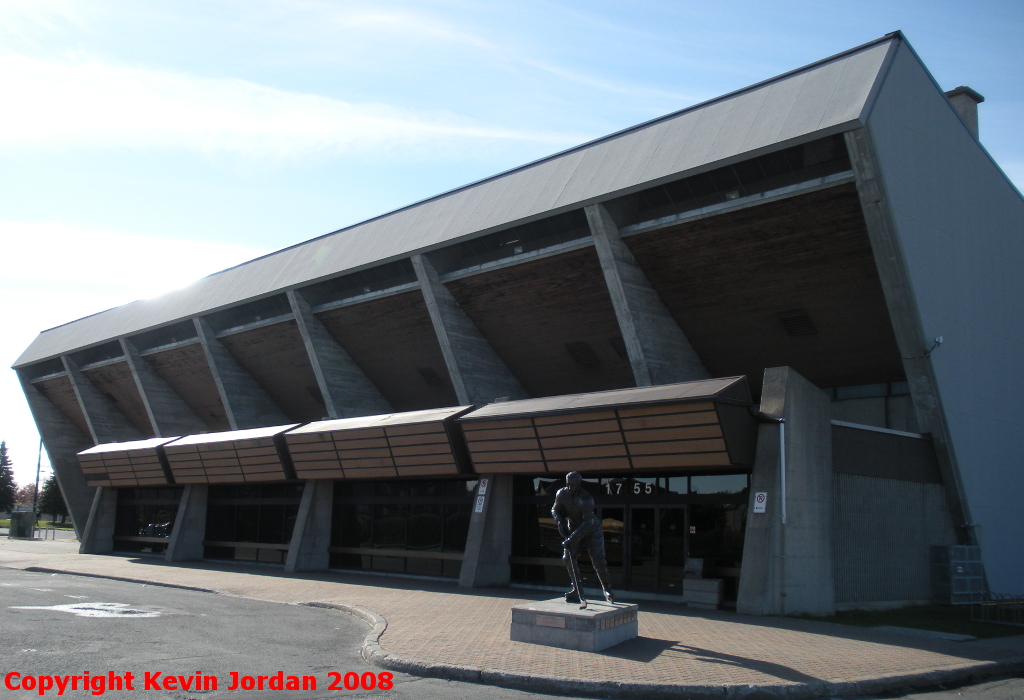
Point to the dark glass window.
(536, 235)
(772, 171)
(174, 333)
(259, 310)
(718, 483)
(652, 525)
(106, 351)
(44, 369)
(376, 279)
(420, 521)
(251, 521)
(144, 518)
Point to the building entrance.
(652, 527)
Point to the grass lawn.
(49, 523)
(937, 618)
(41, 524)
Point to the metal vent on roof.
(797, 322)
(431, 377)
(619, 346)
(583, 354)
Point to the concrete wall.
(884, 528)
(189, 529)
(960, 229)
(892, 412)
(788, 566)
(98, 537)
(307, 550)
(489, 542)
(63, 442)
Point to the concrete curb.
(374, 654)
(144, 582)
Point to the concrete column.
(98, 537)
(168, 413)
(307, 550)
(658, 350)
(906, 323)
(788, 567)
(347, 391)
(246, 403)
(105, 420)
(477, 373)
(189, 525)
(63, 441)
(489, 543)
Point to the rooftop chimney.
(966, 102)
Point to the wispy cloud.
(108, 263)
(425, 29)
(60, 103)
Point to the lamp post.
(35, 494)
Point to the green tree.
(25, 496)
(51, 500)
(8, 487)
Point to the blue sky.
(145, 144)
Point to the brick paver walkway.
(439, 622)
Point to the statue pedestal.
(555, 623)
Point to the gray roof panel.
(579, 189)
(738, 125)
(429, 415)
(147, 444)
(232, 435)
(810, 103)
(725, 388)
(679, 154)
(635, 160)
(828, 95)
(857, 84)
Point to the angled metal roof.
(825, 97)
(429, 415)
(728, 388)
(148, 444)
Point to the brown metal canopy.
(415, 443)
(693, 425)
(136, 463)
(230, 457)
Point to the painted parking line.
(93, 609)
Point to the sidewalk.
(437, 629)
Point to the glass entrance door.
(613, 520)
(672, 548)
(643, 549)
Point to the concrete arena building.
(617, 308)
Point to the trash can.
(23, 524)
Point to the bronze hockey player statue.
(579, 526)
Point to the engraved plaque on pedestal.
(555, 623)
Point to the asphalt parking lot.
(57, 625)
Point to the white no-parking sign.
(760, 501)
